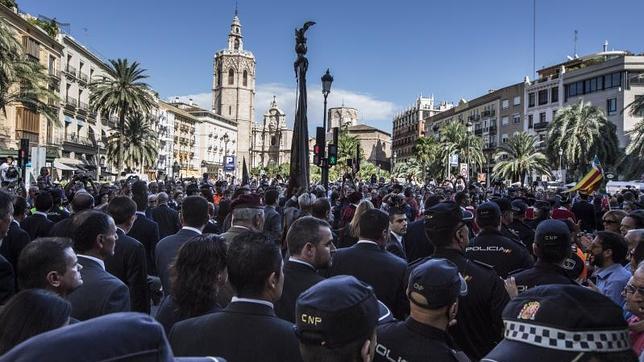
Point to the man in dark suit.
(7, 280)
(585, 212)
(369, 262)
(145, 230)
(247, 214)
(38, 225)
(101, 293)
(398, 229)
(128, 261)
(82, 201)
(194, 216)
(16, 238)
(167, 218)
(272, 218)
(211, 227)
(49, 263)
(246, 330)
(310, 246)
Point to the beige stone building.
(233, 89)
(271, 142)
(375, 143)
(20, 121)
(184, 141)
(341, 117)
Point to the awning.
(63, 167)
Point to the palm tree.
(519, 157)
(347, 146)
(411, 169)
(582, 131)
(456, 139)
(631, 164)
(123, 94)
(23, 81)
(141, 149)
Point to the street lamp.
(327, 79)
(394, 164)
(560, 166)
(468, 125)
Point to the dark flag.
(298, 178)
(245, 178)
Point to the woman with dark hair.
(29, 313)
(196, 277)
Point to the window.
(542, 117)
(230, 110)
(231, 76)
(517, 100)
(530, 121)
(273, 140)
(554, 94)
(504, 121)
(641, 112)
(617, 79)
(543, 97)
(505, 104)
(236, 44)
(52, 65)
(531, 100)
(516, 119)
(504, 138)
(245, 78)
(611, 106)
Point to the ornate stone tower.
(233, 88)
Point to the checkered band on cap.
(563, 340)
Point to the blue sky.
(382, 54)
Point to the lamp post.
(561, 178)
(394, 164)
(327, 79)
(468, 125)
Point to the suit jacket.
(7, 280)
(128, 264)
(13, 243)
(396, 247)
(232, 232)
(63, 228)
(166, 251)
(417, 245)
(167, 219)
(211, 228)
(385, 272)
(298, 277)
(101, 292)
(242, 332)
(146, 231)
(37, 226)
(273, 224)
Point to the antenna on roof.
(574, 53)
(236, 8)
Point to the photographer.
(9, 172)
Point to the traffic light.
(23, 153)
(318, 149)
(358, 158)
(333, 155)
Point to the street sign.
(229, 163)
(610, 175)
(463, 170)
(453, 160)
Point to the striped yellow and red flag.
(591, 181)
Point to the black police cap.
(445, 215)
(438, 281)
(552, 232)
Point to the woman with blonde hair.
(349, 234)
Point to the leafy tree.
(367, 169)
(631, 165)
(454, 138)
(122, 94)
(519, 157)
(22, 80)
(141, 150)
(50, 27)
(427, 152)
(409, 170)
(347, 146)
(582, 131)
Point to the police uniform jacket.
(413, 341)
(526, 234)
(479, 326)
(540, 274)
(242, 332)
(417, 245)
(129, 265)
(101, 293)
(505, 255)
(298, 277)
(372, 264)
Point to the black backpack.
(12, 172)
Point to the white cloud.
(371, 111)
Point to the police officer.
(552, 248)
(518, 225)
(541, 212)
(433, 291)
(491, 247)
(563, 323)
(479, 325)
(507, 216)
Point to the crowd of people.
(364, 271)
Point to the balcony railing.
(540, 125)
(82, 106)
(54, 73)
(83, 77)
(489, 146)
(81, 140)
(32, 137)
(71, 102)
(492, 129)
(478, 131)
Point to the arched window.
(236, 44)
(231, 76)
(219, 76)
(245, 78)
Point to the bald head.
(82, 201)
(162, 198)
